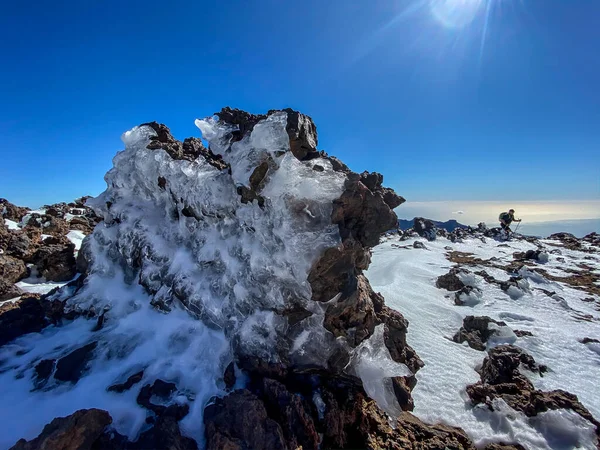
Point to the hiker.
(506, 218)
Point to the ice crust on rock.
(188, 275)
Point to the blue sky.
(405, 88)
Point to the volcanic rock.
(450, 281)
(71, 367)
(476, 331)
(79, 431)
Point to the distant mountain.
(449, 225)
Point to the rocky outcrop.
(340, 417)
(240, 421)
(476, 331)
(531, 255)
(81, 430)
(450, 281)
(89, 429)
(55, 259)
(26, 315)
(12, 212)
(71, 367)
(11, 271)
(501, 378)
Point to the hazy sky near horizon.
(448, 99)
(473, 212)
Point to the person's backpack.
(504, 216)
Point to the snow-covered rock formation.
(241, 261)
(223, 302)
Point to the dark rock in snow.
(501, 378)
(43, 370)
(128, 384)
(476, 331)
(419, 244)
(71, 367)
(164, 391)
(229, 376)
(522, 333)
(450, 281)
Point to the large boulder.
(55, 259)
(12, 212)
(240, 421)
(79, 431)
(24, 316)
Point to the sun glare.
(456, 13)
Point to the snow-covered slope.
(557, 314)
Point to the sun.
(456, 13)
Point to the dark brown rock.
(302, 132)
(229, 376)
(21, 317)
(164, 435)
(354, 316)
(43, 370)
(240, 421)
(522, 333)
(79, 431)
(11, 269)
(244, 120)
(128, 384)
(476, 331)
(9, 291)
(501, 378)
(12, 212)
(289, 409)
(362, 214)
(71, 367)
(450, 281)
(190, 149)
(55, 260)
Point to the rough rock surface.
(55, 260)
(476, 331)
(24, 316)
(79, 431)
(501, 378)
(71, 367)
(450, 281)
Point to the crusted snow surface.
(76, 237)
(215, 267)
(37, 284)
(11, 224)
(406, 277)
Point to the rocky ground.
(531, 304)
(200, 318)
